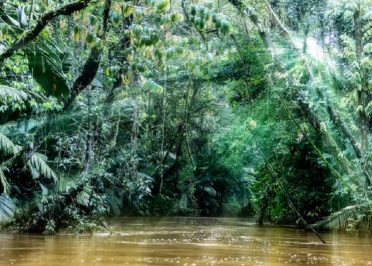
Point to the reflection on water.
(186, 242)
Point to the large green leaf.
(38, 166)
(7, 209)
(4, 182)
(7, 146)
(48, 65)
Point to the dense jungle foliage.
(185, 107)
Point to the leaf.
(48, 66)
(38, 166)
(18, 128)
(14, 94)
(7, 209)
(8, 19)
(183, 202)
(83, 198)
(44, 190)
(4, 183)
(210, 190)
(7, 146)
(152, 86)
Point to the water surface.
(186, 242)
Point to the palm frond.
(7, 209)
(7, 146)
(48, 66)
(12, 93)
(38, 166)
(20, 127)
(4, 182)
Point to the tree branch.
(86, 76)
(91, 65)
(41, 24)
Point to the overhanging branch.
(40, 25)
(91, 66)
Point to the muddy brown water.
(186, 242)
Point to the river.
(186, 242)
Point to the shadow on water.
(188, 242)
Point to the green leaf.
(14, 94)
(83, 198)
(7, 209)
(210, 190)
(44, 190)
(153, 86)
(38, 166)
(48, 66)
(183, 203)
(4, 183)
(7, 146)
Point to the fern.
(38, 166)
(9, 92)
(7, 146)
(7, 209)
